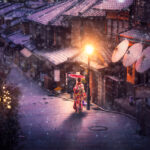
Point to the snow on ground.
(50, 123)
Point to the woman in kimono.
(79, 95)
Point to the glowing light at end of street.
(89, 49)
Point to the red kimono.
(79, 95)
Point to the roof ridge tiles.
(69, 7)
(90, 7)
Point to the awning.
(26, 52)
(82, 58)
(58, 57)
(114, 78)
(136, 35)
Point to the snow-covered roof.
(80, 7)
(17, 13)
(137, 35)
(35, 4)
(114, 4)
(29, 45)
(10, 8)
(50, 14)
(83, 58)
(100, 59)
(4, 5)
(94, 13)
(19, 38)
(59, 56)
(16, 21)
(61, 22)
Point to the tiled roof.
(16, 21)
(61, 22)
(10, 8)
(19, 38)
(3, 5)
(99, 60)
(59, 56)
(137, 35)
(80, 7)
(29, 45)
(51, 14)
(83, 58)
(114, 4)
(18, 13)
(35, 4)
(94, 13)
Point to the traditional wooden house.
(3, 12)
(141, 13)
(35, 4)
(15, 20)
(117, 19)
(88, 27)
(137, 31)
(42, 68)
(56, 66)
(3, 5)
(46, 33)
(138, 34)
(118, 16)
(133, 78)
(9, 8)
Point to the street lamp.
(89, 50)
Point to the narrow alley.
(48, 122)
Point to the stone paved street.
(50, 123)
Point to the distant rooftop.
(94, 13)
(35, 4)
(29, 45)
(50, 14)
(3, 5)
(16, 21)
(80, 7)
(114, 4)
(10, 8)
(19, 38)
(18, 13)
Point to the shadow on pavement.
(67, 135)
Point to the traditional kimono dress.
(79, 95)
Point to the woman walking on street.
(79, 95)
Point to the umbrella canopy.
(76, 76)
(143, 63)
(133, 54)
(120, 50)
